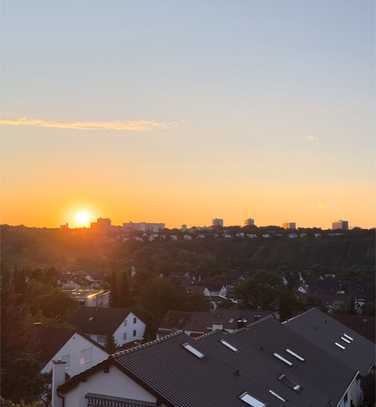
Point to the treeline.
(86, 250)
(27, 298)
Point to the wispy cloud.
(129, 125)
(312, 139)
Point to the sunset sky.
(181, 111)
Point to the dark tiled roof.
(98, 400)
(222, 375)
(323, 331)
(180, 379)
(362, 324)
(98, 320)
(201, 321)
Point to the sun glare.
(83, 218)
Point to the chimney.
(58, 378)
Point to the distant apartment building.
(249, 222)
(143, 227)
(217, 223)
(289, 225)
(340, 225)
(102, 225)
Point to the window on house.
(228, 345)
(289, 383)
(86, 356)
(276, 395)
(134, 332)
(339, 345)
(134, 320)
(251, 401)
(125, 336)
(193, 350)
(296, 356)
(348, 337)
(282, 359)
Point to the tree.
(20, 378)
(158, 296)
(259, 291)
(368, 387)
(289, 304)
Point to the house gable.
(79, 353)
(114, 383)
(132, 328)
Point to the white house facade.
(130, 330)
(79, 354)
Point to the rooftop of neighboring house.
(362, 324)
(335, 338)
(98, 320)
(268, 361)
(202, 321)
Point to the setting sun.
(83, 218)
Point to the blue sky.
(263, 107)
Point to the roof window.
(289, 383)
(345, 340)
(228, 345)
(282, 359)
(292, 353)
(276, 395)
(251, 401)
(193, 350)
(339, 345)
(348, 337)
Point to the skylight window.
(345, 339)
(339, 345)
(289, 383)
(273, 393)
(292, 353)
(282, 359)
(251, 401)
(193, 350)
(228, 345)
(348, 337)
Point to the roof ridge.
(210, 333)
(146, 345)
(299, 315)
(250, 325)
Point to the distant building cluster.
(105, 226)
(143, 227)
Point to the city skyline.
(160, 112)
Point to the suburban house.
(266, 364)
(78, 351)
(199, 323)
(101, 323)
(209, 290)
